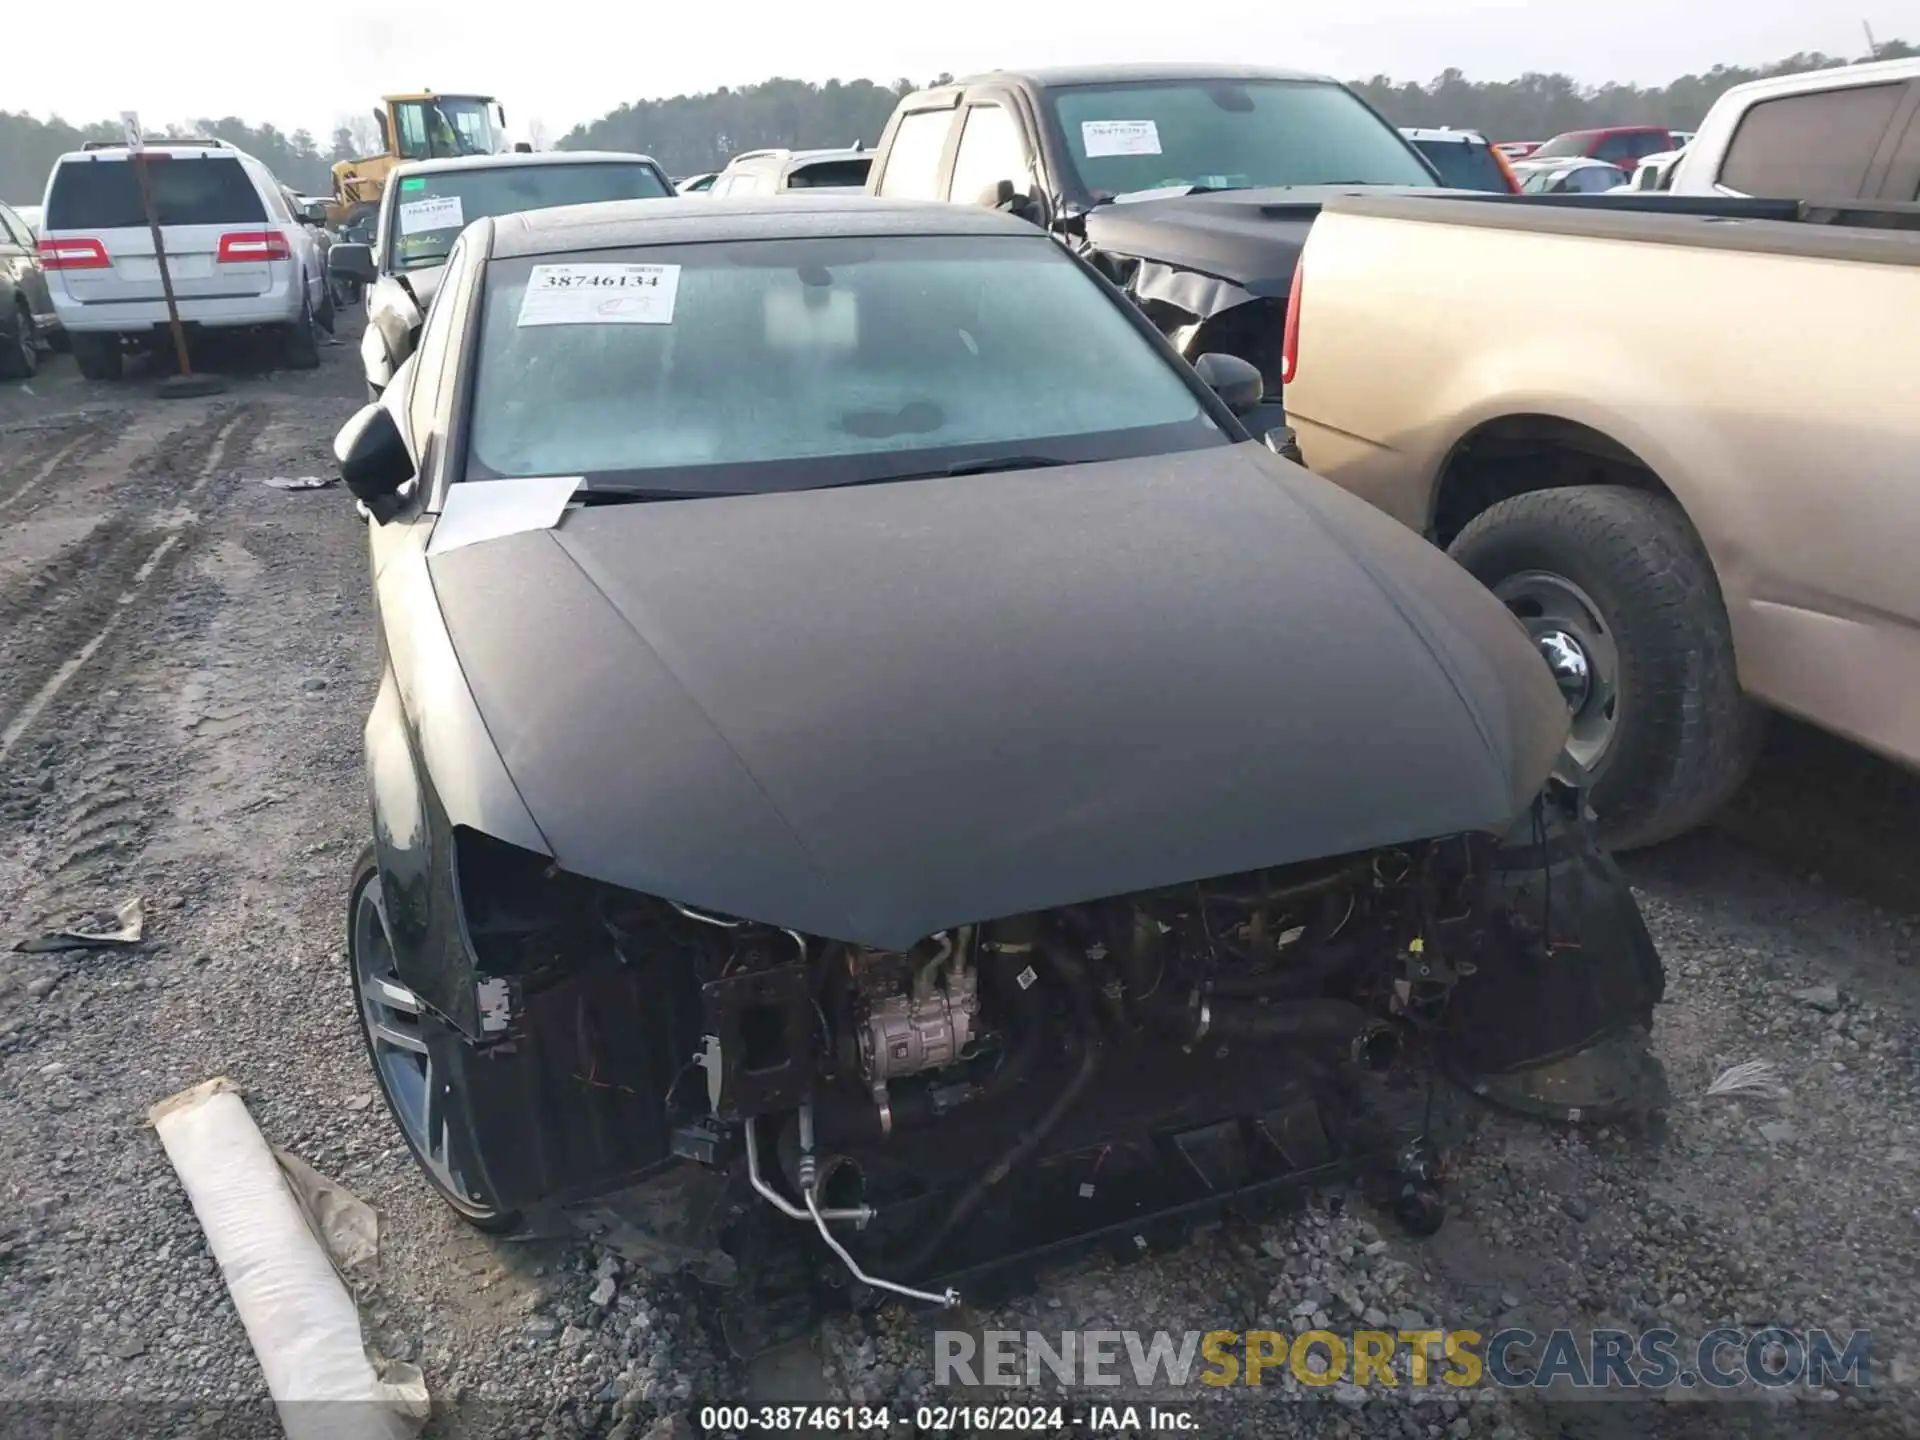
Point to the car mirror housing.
(351, 262)
(1237, 382)
(373, 459)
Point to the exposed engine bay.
(908, 1121)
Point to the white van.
(237, 255)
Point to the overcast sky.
(309, 62)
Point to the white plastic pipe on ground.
(298, 1315)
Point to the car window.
(757, 365)
(913, 161)
(1811, 147)
(1592, 179)
(839, 174)
(1537, 182)
(1465, 164)
(1228, 134)
(1615, 148)
(434, 207)
(413, 132)
(103, 194)
(990, 150)
(14, 229)
(431, 355)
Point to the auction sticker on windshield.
(1119, 137)
(437, 212)
(600, 295)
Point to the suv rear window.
(830, 175)
(187, 190)
(1465, 164)
(1817, 146)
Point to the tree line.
(692, 133)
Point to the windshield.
(1465, 164)
(1574, 142)
(746, 366)
(432, 209)
(1228, 135)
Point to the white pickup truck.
(1694, 475)
(1850, 133)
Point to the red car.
(1621, 145)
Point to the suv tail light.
(1290, 336)
(76, 252)
(252, 247)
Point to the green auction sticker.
(419, 183)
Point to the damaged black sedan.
(873, 763)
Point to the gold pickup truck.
(1683, 447)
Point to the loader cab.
(436, 127)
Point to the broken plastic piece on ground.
(100, 933)
(299, 482)
(299, 1317)
(1618, 1078)
(344, 1224)
(1751, 1077)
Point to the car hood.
(875, 712)
(1249, 237)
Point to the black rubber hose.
(1073, 977)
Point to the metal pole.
(139, 159)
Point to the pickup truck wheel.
(98, 356)
(410, 1047)
(1621, 598)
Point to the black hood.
(876, 712)
(1249, 237)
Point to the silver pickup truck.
(1684, 447)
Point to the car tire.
(98, 355)
(1620, 594)
(20, 351)
(300, 342)
(414, 1056)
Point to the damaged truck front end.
(789, 1114)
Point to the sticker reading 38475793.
(600, 295)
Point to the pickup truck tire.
(1622, 574)
(98, 356)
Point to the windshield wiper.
(638, 494)
(1002, 462)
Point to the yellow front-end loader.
(425, 125)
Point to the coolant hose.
(1073, 977)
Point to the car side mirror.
(314, 213)
(352, 262)
(1003, 197)
(1283, 442)
(1237, 382)
(373, 459)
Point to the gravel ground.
(185, 665)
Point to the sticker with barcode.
(600, 295)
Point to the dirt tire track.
(50, 614)
(31, 466)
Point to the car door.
(992, 147)
(20, 260)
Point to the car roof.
(208, 150)
(797, 157)
(1840, 77)
(513, 158)
(674, 220)
(1048, 77)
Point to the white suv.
(237, 255)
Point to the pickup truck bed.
(1680, 436)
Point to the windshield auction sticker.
(600, 295)
(1119, 137)
(437, 212)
